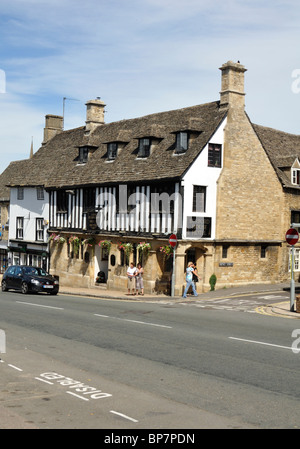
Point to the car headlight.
(56, 282)
(34, 281)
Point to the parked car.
(29, 279)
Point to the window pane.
(181, 142)
(83, 154)
(62, 201)
(20, 193)
(198, 227)
(40, 193)
(40, 229)
(199, 198)
(144, 147)
(214, 155)
(19, 228)
(112, 149)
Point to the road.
(76, 362)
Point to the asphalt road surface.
(76, 362)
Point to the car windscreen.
(34, 271)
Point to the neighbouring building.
(227, 188)
(4, 216)
(29, 210)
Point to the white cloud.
(141, 57)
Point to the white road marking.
(133, 321)
(15, 367)
(39, 305)
(148, 324)
(261, 343)
(43, 380)
(77, 395)
(123, 416)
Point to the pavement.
(277, 309)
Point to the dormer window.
(296, 176)
(112, 151)
(182, 142)
(144, 147)
(83, 154)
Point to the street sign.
(173, 240)
(292, 236)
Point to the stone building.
(4, 216)
(228, 188)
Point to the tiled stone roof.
(282, 149)
(56, 163)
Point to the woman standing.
(139, 279)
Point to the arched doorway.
(196, 255)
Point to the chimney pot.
(94, 114)
(53, 126)
(232, 89)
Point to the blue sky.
(141, 57)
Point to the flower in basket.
(126, 247)
(144, 247)
(56, 238)
(166, 250)
(74, 239)
(106, 244)
(90, 241)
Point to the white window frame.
(20, 228)
(39, 193)
(39, 234)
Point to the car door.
(18, 277)
(9, 276)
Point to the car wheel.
(4, 286)
(24, 288)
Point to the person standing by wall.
(139, 279)
(131, 275)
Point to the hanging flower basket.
(105, 244)
(90, 241)
(167, 251)
(126, 247)
(56, 238)
(144, 247)
(75, 241)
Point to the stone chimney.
(53, 126)
(94, 114)
(232, 89)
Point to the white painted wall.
(202, 175)
(30, 208)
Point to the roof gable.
(283, 150)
